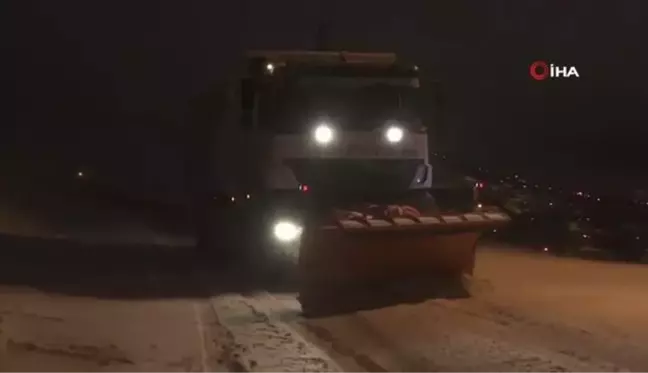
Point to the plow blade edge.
(351, 256)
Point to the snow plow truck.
(331, 173)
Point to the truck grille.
(355, 174)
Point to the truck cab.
(333, 121)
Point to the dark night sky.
(105, 82)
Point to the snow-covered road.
(528, 312)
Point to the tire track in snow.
(261, 341)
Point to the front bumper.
(361, 174)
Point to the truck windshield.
(355, 103)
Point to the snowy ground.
(529, 312)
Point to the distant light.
(598, 200)
(479, 205)
(548, 188)
(545, 249)
(304, 188)
(247, 196)
(515, 176)
(579, 193)
(270, 68)
(233, 199)
(585, 236)
(415, 68)
(550, 203)
(494, 230)
(637, 237)
(80, 174)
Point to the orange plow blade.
(352, 256)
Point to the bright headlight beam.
(324, 134)
(394, 134)
(286, 231)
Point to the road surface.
(529, 312)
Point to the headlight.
(286, 231)
(323, 134)
(394, 134)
